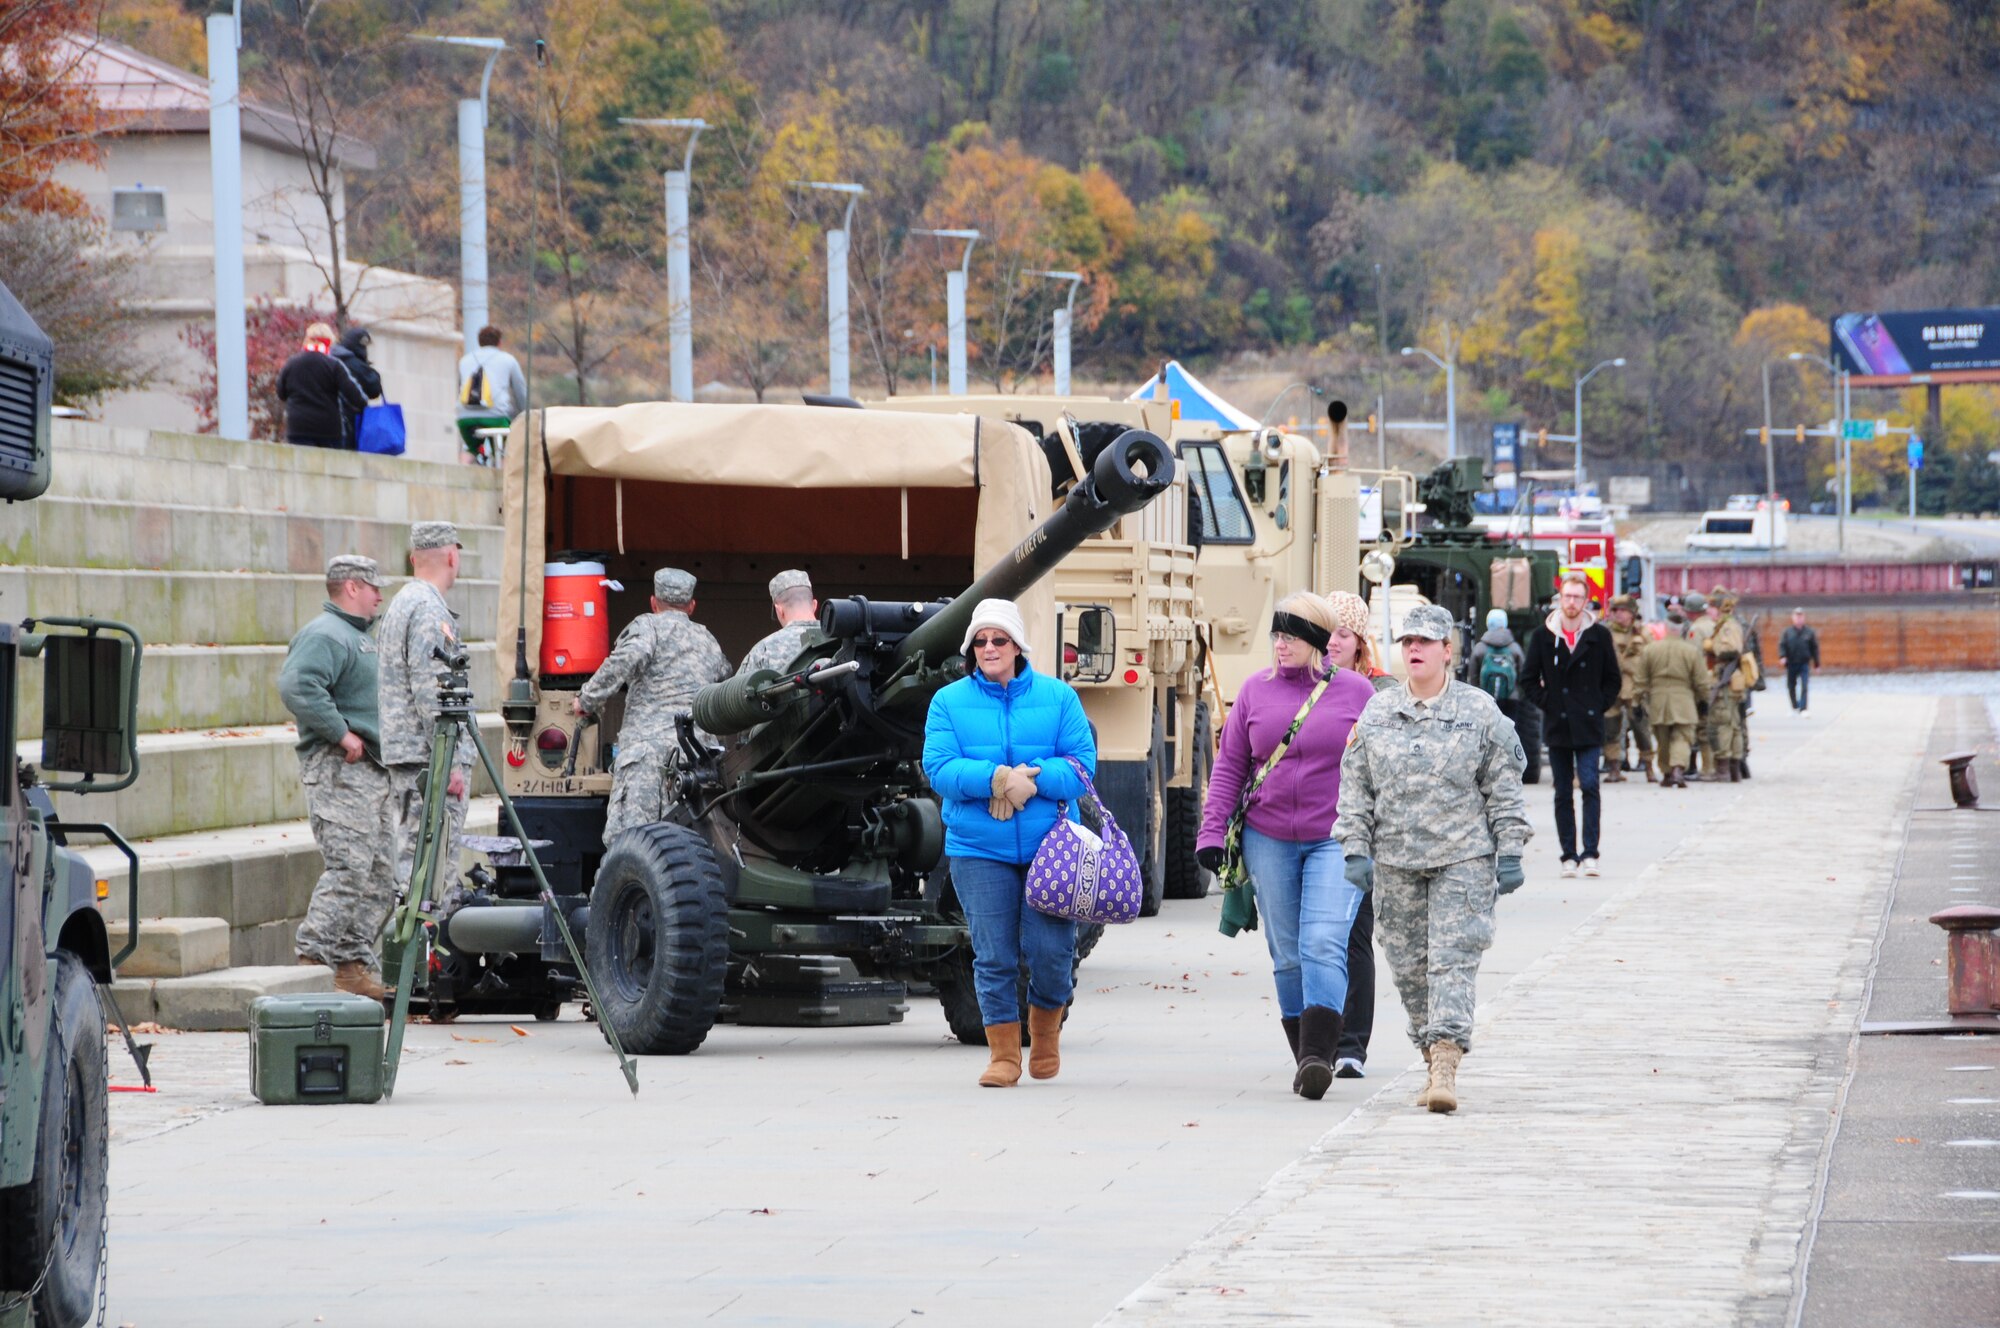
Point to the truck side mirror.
(90, 702)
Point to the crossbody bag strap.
(1277, 755)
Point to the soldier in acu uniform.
(797, 612)
(662, 659)
(1431, 810)
(329, 684)
(417, 623)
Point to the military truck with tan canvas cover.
(893, 515)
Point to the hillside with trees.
(1298, 185)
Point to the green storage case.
(320, 1048)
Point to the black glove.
(1209, 858)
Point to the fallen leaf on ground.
(518, 1030)
(458, 1062)
(761, 1212)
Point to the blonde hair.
(319, 332)
(1311, 607)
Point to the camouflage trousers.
(1676, 745)
(638, 792)
(406, 803)
(348, 807)
(1725, 727)
(1434, 923)
(1617, 720)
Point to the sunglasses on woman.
(991, 642)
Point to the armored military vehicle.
(54, 950)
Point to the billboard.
(1918, 343)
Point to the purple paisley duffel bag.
(1080, 874)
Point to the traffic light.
(1372, 423)
(1764, 436)
(1799, 433)
(1541, 437)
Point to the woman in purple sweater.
(1296, 866)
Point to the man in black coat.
(1799, 648)
(352, 352)
(1572, 677)
(316, 389)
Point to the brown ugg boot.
(1044, 1037)
(353, 976)
(1443, 1094)
(1003, 1070)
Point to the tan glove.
(1021, 785)
(999, 808)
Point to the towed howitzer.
(793, 882)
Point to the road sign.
(1881, 428)
(1857, 431)
(1506, 445)
(1916, 452)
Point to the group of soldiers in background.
(1685, 697)
(364, 694)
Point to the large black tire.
(1088, 934)
(1187, 878)
(658, 943)
(952, 980)
(56, 1220)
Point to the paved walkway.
(855, 1176)
(1644, 1108)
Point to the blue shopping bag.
(381, 430)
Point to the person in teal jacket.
(998, 747)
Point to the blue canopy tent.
(1196, 401)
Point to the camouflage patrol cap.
(789, 580)
(1429, 622)
(1625, 602)
(1694, 601)
(352, 567)
(434, 535)
(673, 586)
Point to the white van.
(1759, 524)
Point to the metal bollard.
(1964, 788)
(1972, 956)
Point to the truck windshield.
(1225, 517)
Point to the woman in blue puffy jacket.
(997, 748)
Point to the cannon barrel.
(1136, 468)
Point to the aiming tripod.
(432, 871)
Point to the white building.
(155, 177)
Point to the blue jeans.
(1306, 907)
(1580, 764)
(1004, 932)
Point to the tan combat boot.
(353, 976)
(1443, 1095)
(1045, 1037)
(1424, 1093)
(1004, 1069)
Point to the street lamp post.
(1060, 324)
(1450, 367)
(680, 295)
(1618, 363)
(473, 303)
(836, 284)
(1842, 454)
(225, 163)
(954, 305)
(1272, 409)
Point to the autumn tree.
(48, 114)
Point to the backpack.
(476, 391)
(1497, 675)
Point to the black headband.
(1303, 628)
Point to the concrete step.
(171, 947)
(210, 779)
(257, 878)
(212, 687)
(136, 466)
(217, 1002)
(163, 536)
(205, 608)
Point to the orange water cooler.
(576, 623)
